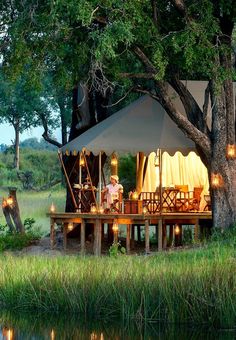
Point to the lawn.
(36, 205)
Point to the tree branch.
(138, 75)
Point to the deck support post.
(164, 236)
(160, 234)
(147, 240)
(65, 235)
(97, 237)
(128, 238)
(52, 233)
(132, 235)
(82, 237)
(196, 230)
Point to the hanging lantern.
(115, 227)
(177, 229)
(82, 161)
(216, 181)
(70, 226)
(93, 209)
(231, 151)
(52, 208)
(114, 160)
(52, 335)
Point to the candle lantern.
(135, 195)
(114, 160)
(10, 200)
(93, 209)
(231, 151)
(101, 209)
(177, 229)
(216, 181)
(115, 227)
(70, 226)
(52, 208)
(145, 210)
(82, 161)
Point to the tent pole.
(160, 178)
(80, 182)
(100, 179)
(67, 179)
(90, 179)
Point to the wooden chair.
(182, 200)
(151, 201)
(195, 199)
(116, 206)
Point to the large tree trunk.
(61, 104)
(17, 145)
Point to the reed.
(196, 286)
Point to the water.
(15, 326)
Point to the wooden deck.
(160, 220)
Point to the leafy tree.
(144, 46)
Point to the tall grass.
(197, 286)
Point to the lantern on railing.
(216, 181)
(145, 210)
(135, 195)
(93, 209)
(231, 151)
(101, 210)
(52, 208)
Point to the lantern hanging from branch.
(231, 151)
(216, 181)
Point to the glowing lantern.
(70, 226)
(135, 195)
(177, 229)
(145, 210)
(115, 227)
(216, 181)
(114, 161)
(52, 208)
(93, 209)
(10, 200)
(231, 151)
(52, 335)
(101, 209)
(82, 161)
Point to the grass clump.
(196, 286)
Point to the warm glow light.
(4, 203)
(10, 200)
(231, 151)
(82, 161)
(52, 335)
(177, 229)
(115, 227)
(10, 334)
(145, 210)
(93, 209)
(101, 209)
(70, 226)
(216, 181)
(114, 161)
(52, 208)
(135, 195)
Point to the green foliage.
(127, 173)
(116, 249)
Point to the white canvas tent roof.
(142, 126)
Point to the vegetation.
(196, 286)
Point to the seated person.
(112, 192)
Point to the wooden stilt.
(156, 233)
(147, 240)
(65, 235)
(82, 237)
(128, 238)
(132, 236)
(196, 231)
(139, 233)
(52, 233)
(97, 238)
(171, 235)
(160, 235)
(164, 237)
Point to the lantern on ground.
(216, 181)
(231, 151)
